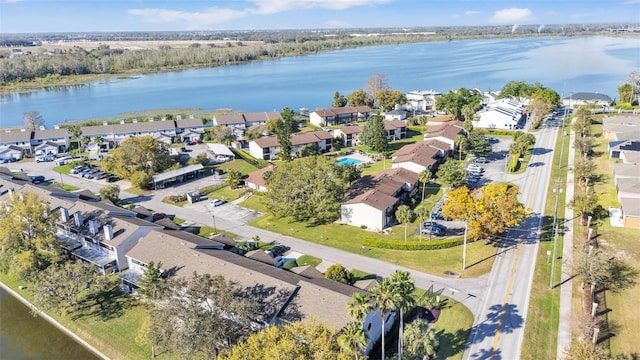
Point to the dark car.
(37, 179)
(277, 250)
(158, 216)
(112, 178)
(482, 160)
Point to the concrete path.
(566, 287)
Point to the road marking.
(496, 339)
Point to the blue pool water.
(348, 161)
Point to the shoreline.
(53, 322)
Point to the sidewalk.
(566, 289)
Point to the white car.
(217, 202)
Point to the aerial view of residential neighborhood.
(280, 179)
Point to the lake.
(25, 337)
(589, 64)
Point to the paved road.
(499, 325)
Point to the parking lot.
(494, 169)
(227, 211)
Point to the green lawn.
(238, 164)
(66, 187)
(308, 260)
(349, 238)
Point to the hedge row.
(412, 245)
(250, 159)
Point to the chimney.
(121, 121)
(179, 117)
(23, 130)
(151, 118)
(190, 116)
(93, 226)
(104, 123)
(135, 121)
(64, 214)
(77, 217)
(41, 127)
(57, 127)
(108, 232)
(163, 119)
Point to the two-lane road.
(498, 329)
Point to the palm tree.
(359, 307)
(461, 143)
(383, 299)
(404, 299)
(422, 212)
(424, 177)
(353, 339)
(420, 339)
(404, 216)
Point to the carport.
(168, 178)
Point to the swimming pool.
(348, 161)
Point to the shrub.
(141, 179)
(211, 188)
(339, 273)
(289, 265)
(412, 245)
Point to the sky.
(42, 16)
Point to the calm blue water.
(595, 64)
(348, 161)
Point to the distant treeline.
(28, 66)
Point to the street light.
(557, 190)
(464, 246)
(215, 229)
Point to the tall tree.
(353, 339)
(375, 83)
(424, 177)
(27, 241)
(421, 340)
(626, 93)
(222, 134)
(283, 128)
(33, 120)
(139, 153)
(519, 89)
(455, 100)
(461, 144)
(478, 144)
(309, 188)
(404, 299)
(292, 341)
(452, 173)
(151, 282)
(339, 100)
(62, 287)
(110, 192)
(233, 178)
(374, 135)
(489, 210)
(383, 297)
(582, 121)
(359, 306)
(204, 314)
(422, 211)
(404, 215)
(387, 99)
(360, 98)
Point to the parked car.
(100, 175)
(78, 169)
(112, 178)
(482, 160)
(89, 173)
(217, 202)
(475, 167)
(277, 250)
(37, 179)
(431, 230)
(473, 179)
(158, 216)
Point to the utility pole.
(555, 236)
(464, 246)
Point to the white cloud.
(276, 6)
(470, 12)
(216, 15)
(512, 15)
(11, 1)
(195, 20)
